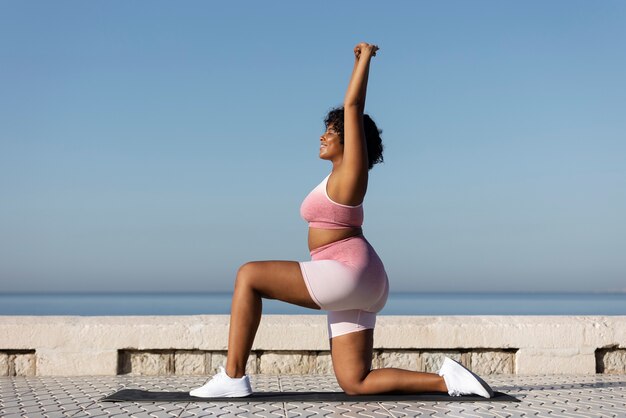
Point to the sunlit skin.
(351, 353)
(331, 149)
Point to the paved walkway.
(541, 396)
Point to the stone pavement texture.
(541, 396)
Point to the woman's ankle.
(235, 372)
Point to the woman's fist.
(368, 49)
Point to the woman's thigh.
(352, 357)
(281, 280)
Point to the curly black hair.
(372, 134)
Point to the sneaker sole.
(223, 395)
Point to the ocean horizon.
(399, 303)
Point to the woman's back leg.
(352, 359)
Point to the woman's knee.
(352, 360)
(245, 275)
(351, 385)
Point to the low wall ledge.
(64, 345)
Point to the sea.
(97, 304)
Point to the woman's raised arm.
(354, 165)
(357, 87)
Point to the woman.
(345, 276)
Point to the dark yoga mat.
(137, 395)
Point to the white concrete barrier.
(109, 345)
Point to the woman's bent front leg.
(280, 280)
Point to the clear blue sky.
(157, 146)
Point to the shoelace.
(222, 374)
(218, 376)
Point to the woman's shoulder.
(346, 188)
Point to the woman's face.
(330, 144)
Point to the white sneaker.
(461, 381)
(223, 386)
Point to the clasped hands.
(365, 48)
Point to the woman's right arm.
(354, 165)
(360, 95)
(357, 88)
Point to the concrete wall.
(75, 345)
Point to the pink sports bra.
(321, 212)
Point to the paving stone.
(202, 409)
(55, 414)
(335, 409)
(11, 412)
(307, 383)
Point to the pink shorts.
(348, 279)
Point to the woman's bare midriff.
(320, 237)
